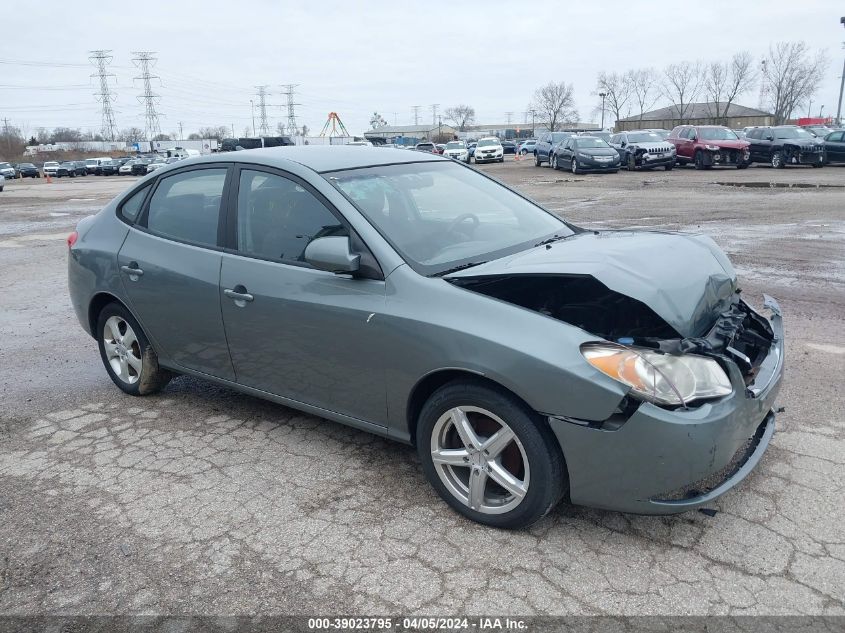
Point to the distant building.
(508, 131)
(409, 134)
(738, 116)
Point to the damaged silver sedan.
(527, 359)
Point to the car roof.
(322, 158)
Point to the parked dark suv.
(784, 145)
(706, 146)
(543, 149)
(28, 170)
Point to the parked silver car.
(528, 360)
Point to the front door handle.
(132, 270)
(238, 294)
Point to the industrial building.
(738, 116)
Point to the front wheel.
(536, 159)
(553, 162)
(777, 160)
(573, 165)
(127, 355)
(489, 456)
(668, 167)
(632, 163)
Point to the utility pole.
(101, 59)
(439, 127)
(603, 96)
(263, 126)
(181, 135)
(416, 114)
(434, 107)
(533, 114)
(144, 60)
(292, 127)
(841, 85)
(252, 107)
(6, 133)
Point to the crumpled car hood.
(685, 279)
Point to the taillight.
(71, 239)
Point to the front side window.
(278, 218)
(441, 215)
(718, 134)
(186, 206)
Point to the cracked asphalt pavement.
(201, 500)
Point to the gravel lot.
(201, 500)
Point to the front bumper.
(488, 157)
(664, 462)
(726, 156)
(591, 164)
(649, 160)
(809, 158)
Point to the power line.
(263, 126)
(101, 59)
(416, 114)
(292, 127)
(143, 60)
(509, 116)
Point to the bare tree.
(791, 76)
(682, 83)
(725, 81)
(377, 121)
(461, 116)
(554, 105)
(645, 90)
(132, 135)
(305, 130)
(220, 132)
(617, 91)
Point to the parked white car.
(156, 164)
(50, 168)
(457, 150)
(489, 150)
(126, 168)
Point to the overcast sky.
(358, 57)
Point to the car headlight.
(583, 155)
(712, 147)
(660, 378)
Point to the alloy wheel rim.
(480, 460)
(123, 351)
(776, 160)
(574, 166)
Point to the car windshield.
(455, 145)
(487, 142)
(439, 216)
(645, 137)
(557, 137)
(51, 164)
(27, 166)
(716, 134)
(5, 166)
(792, 132)
(588, 141)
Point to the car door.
(543, 146)
(835, 147)
(295, 331)
(566, 153)
(616, 143)
(170, 269)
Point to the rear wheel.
(489, 456)
(127, 355)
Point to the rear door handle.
(238, 293)
(132, 270)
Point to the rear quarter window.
(131, 207)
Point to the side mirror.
(622, 144)
(332, 254)
(769, 137)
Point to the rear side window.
(132, 206)
(278, 218)
(186, 206)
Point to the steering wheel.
(461, 219)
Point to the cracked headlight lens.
(714, 148)
(660, 378)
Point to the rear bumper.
(662, 461)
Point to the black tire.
(668, 167)
(553, 162)
(743, 165)
(817, 165)
(536, 159)
(699, 160)
(502, 159)
(631, 163)
(548, 475)
(152, 377)
(776, 160)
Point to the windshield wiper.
(553, 238)
(449, 271)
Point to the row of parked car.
(125, 166)
(703, 146)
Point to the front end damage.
(651, 458)
(717, 155)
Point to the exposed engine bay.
(738, 332)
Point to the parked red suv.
(708, 145)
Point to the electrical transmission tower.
(509, 116)
(144, 60)
(101, 59)
(434, 107)
(292, 128)
(416, 114)
(263, 125)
